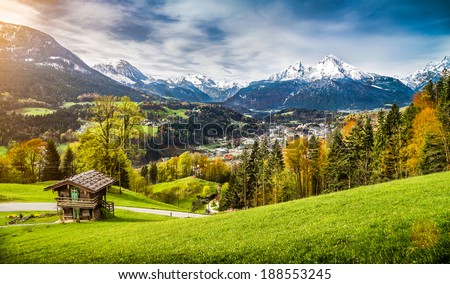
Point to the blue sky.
(242, 40)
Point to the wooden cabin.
(81, 197)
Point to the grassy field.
(10, 192)
(62, 148)
(34, 111)
(405, 221)
(150, 130)
(186, 191)
(69, 104)
(3, 150)
(173, 112)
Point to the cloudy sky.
(242, 40)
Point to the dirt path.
(48, 206)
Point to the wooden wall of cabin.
(98, 194)
(85, 214)
(63, 192)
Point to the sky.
(240, 40)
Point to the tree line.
(364, 150)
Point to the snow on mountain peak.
(294, 71)
(432, 71)
(122, 71)
(329, 67)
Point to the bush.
(106, 214)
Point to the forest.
(366, 148)
(397, 144)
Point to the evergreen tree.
(254, 168)
(276, 157)
(315, 167)
(68, 163)
(265, 172)
(153, 173)
(51, 162)
(379, 144)
(433, 158)
(407, 134)
(360, 144)
(443, 114)
(243, 180)
(233, 196)
(144, 172)
(388, 142)
(337, 169)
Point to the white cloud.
(258, 40)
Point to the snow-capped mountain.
(34, 65)
(23, 44)
(329, 67)
(432, 71)
(125, 73)
(122, 71)
(331, 84)
(218, 90)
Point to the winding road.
(49, 206)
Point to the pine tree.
(243, 180)
(144, 172)
(51, 162)
(68, 163)
(388, 142)
(443, 113)
(315, 169)
(379, 145)
(360, 144)
(276, 156)
(433, 158)
(233, 196)
(265, 172)
(407, 135)
(153, 173)
(338, 164)
(254, 168)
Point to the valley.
(316, 163)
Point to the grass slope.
(11, 192)
(186, 190)
(404, 221)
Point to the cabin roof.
(92, 181)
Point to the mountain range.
(192, 88)
(332, 84)
(34, 65)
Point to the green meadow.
(185, 191)
(11, 192)
(404, 221)
(34, 111)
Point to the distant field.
(69, 104)
(150, 130)
(186, 191)
(62, 148)
(405, 221)
(174, 112)
(3, 150)
(11, 192)
(34, 111)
